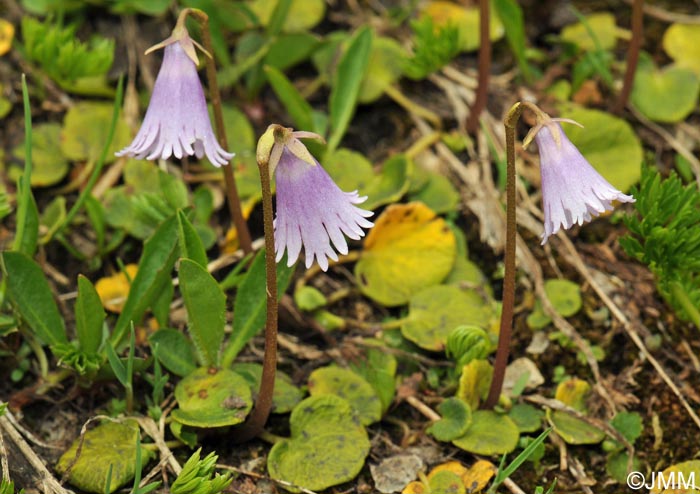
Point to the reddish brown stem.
(504, 335)
(232, 197)
(632, 54)
(263, 404)
(484, 67)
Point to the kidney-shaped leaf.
(110, 443)
(667, 95)
(409, 248)
(212, 397)
(346, 384)
(490, 433)
(328, 445)
(436, 311)
(682, 43)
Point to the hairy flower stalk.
(177, 120)
(312, 211)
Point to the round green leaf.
(526, 417)
(456, 419)
(574, 430)
(309, 298)
(212, 397)
(565, 296)
(386, 62)
(85, 128)
(608, 143)
(379, 369)
(110, 443)
(616, 466)
(629, 424)
(320, 461)
(50, 166)
(490, 433)
(346, 384)
(668, 95)
(604, 29)
(438, 194)
(285, 395)
(390, 184)
(349, 169)
(320, 413)
(302, 14)
(436, 311)
(328, 446)
(682, 43)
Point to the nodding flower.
(177, 120)
(572, 190)
(312, 211)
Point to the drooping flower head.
(177, 120)
(312, 211)
(572, 190)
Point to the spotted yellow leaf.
(478, 476)
(409, 248)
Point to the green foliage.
(346, 87)
(511, 15)
(155, 266)
(8, 487)
(327, 447)
(31, 296)
(109, 451)
(665, 235)
(210, 397)
(64, 58)
(467, 343)
(196, 476)
(176, 351)
(432, 49)
(456, 419)
(206, 310)
(505, 472)
(251, 303)
(27, 213)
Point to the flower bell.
(177, 120)
(311, 210)
(572, 190)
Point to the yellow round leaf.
(682, 43)
(478, 475)
(415, 487)
(451, 466)
(7, 33)
(444, 13)
(409, 248)
(113, 290)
